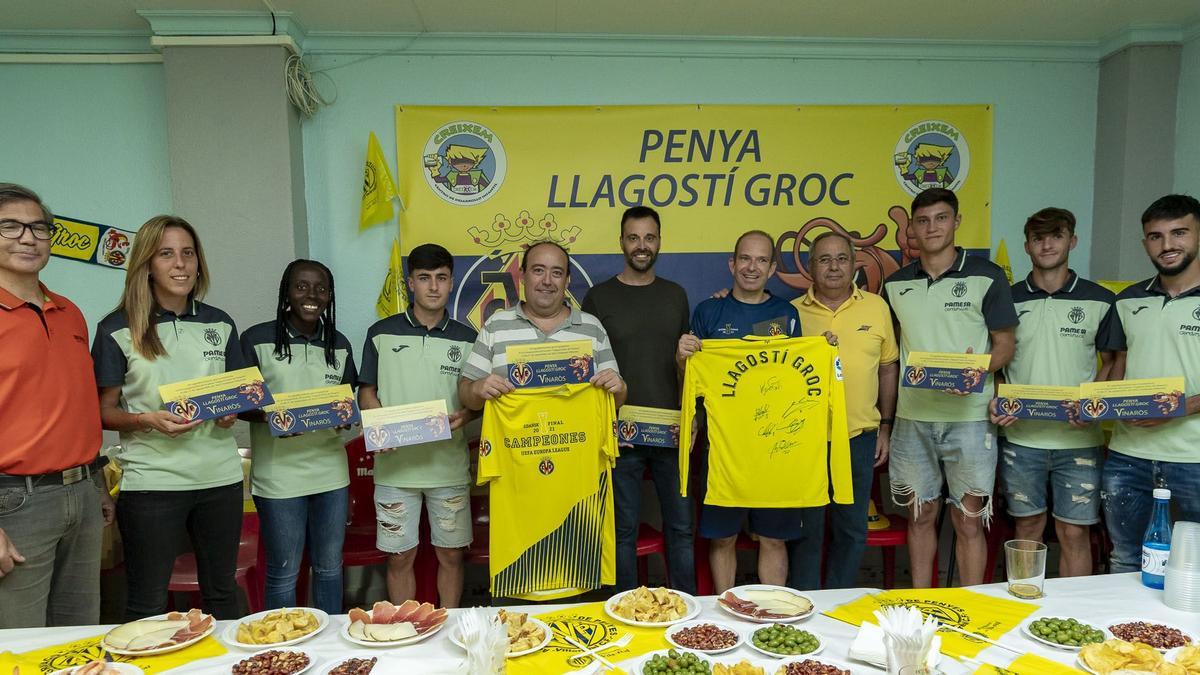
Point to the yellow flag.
(378, 188)
(1003, 262)
(393, 297)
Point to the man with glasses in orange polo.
(53, 501)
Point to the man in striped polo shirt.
(1158, 336)
(543, 316)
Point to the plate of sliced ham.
(764, 603)
(159, 634)
(388, 625)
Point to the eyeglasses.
(15, 229)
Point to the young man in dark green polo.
(410, 358)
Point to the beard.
(641, 267)
(1187, 259)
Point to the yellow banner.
(80, 652)
(378, 188)
(470, 177)
(590, 626)
(982, 614)
(485, 182)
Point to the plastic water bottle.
(1156, 545)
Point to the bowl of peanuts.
(705, 636)
(274, 662)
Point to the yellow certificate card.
(550, 364)
(961, 372)
(658, 427)
(1037, 402)
(295, 412)
(1133, 399)
(206, 398)
(401, 425)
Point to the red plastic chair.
(250, 574)
(650, 542)
(359, 548)
(895, 535)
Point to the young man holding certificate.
(1065, 321)
(410, 358)
(950, 307)
(53, 500)
(645, 315)
(1158, 336)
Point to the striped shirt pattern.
(512, 327)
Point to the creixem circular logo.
(931, 153)
(464, 163)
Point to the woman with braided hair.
(299, 481)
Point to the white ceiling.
(984, 20)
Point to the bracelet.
(890, 421)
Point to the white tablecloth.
(1095, 598)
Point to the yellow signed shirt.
(776, 422)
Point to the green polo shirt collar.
(957, 268)
(412, 319)
(1068, 287)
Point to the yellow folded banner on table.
(977, 613)
(77, 653)
(590, 626)
(1029, 664)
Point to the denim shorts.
(922, 451)
(398, 515)
(1074, 475)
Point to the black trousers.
(153, 525)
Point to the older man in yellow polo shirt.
(862, 326)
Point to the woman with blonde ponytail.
(181, 479)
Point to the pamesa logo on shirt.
(959, 290)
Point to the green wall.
(91, 139)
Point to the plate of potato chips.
(1115, 655)
(652, 607)
(276, 627)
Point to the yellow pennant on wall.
(378, 188)
(393, 297)
(1003, 262)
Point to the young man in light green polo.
(410, 358)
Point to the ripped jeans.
(964, 451)
(398, 515)
(1072, 474)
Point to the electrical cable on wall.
(302, 90)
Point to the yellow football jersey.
(776, 413)
(548, 455)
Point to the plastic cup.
(1026, 564)
(1185, 547)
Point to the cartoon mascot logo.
(931, 153)
(465, 163)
